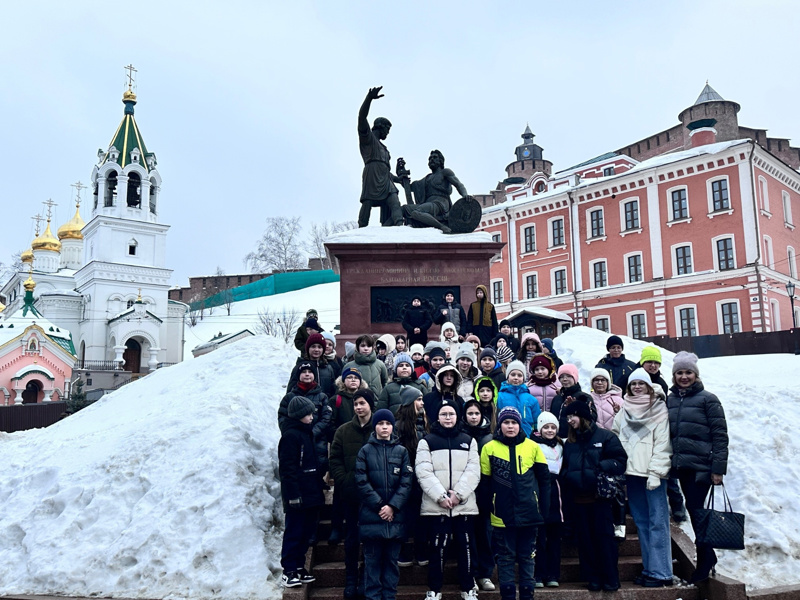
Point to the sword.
(405, 178)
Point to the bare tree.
(279, 249)
(7, 270)
(282, 325)
(320, 232)
(227, 299)
(218, 280)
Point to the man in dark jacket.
(482, 318)
(615, 362)
(416, 322)
(450, 311)
(383, 477)
(303, 332)
(347, 442)
(515, 469)
(301, 489)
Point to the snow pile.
(760, 398)
(165, 488)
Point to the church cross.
(130, 69)
(38, 219)
(78, 188)
(49, 204)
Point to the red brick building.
(691, 231)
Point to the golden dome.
(27, 256)
(46, 241)
(71, 230)
(128, 95)
(29, 284)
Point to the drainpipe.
(574, 241)
(758, 234)
(512, 259)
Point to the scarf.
(641, 415)
(306, 387)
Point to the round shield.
(465, 215)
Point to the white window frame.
(674, 254)
(595, 319)
(592, 263)
(553, 281)
(550, 245)
(629, 322)
(502, 290)
(786, 200)
(791, 260)
(763, 191)
(714, 241)
(769, 252)
(522, 230)
(622, 221)
(775, 314)
(593, 238)
(499, 256)
(710, 196)
(525, 284)
(627, 271)
(720, 324)
(677, 314)
(672, 220)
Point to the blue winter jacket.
(520, 398)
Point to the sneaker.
(291, 579)
(486, 584)
(619, 532)
(469, 595)
(305, 576)
(423, 563)
(551, 584)
(538, 584)
(405, 563)
(431, 595)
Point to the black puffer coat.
(619, 368)
(321, 424)
(698, 429)
(347, 441)
(417, 317)
(433, 399)
(383, 476)
(298, 469)
(558, 406)
(326, 374)
(595, 450)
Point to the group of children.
(446, 445)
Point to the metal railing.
(98, 365)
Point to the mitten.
(653, 482)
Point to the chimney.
(702, 132)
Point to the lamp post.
(790, 291)
(585, 314)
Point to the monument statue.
(377, 180)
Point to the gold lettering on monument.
(416, 275)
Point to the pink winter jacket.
(546, 394)
(605, 404)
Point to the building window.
(129, 304)
(600, 274)
(557, 232)
(683, 260)
(531, 287)
(762, 187)
(608, 171)
(560, 282)
(719, 194)
(792, 260)
(596, 220)
(730, 317)
(688, 325)
(769, 255)
(602, 324)
(634, 268)
(638, 326)
(496, 237)
(787, 208)
(680, 207)
(529, 234)
(632, 215)
(540, 187)
(497, 292)
(725, 254)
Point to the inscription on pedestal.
(416, 275)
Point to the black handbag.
(610, 486)
(723, 529)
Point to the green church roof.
(127, 137)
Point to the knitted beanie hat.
(383, 414)
(614, 340)
(540, 360)
(403, 357)
(315, 338)
(299, 407)
(311, 323)
(409, 395)
(488, 352)
(598, 372)
(580, 408)
(545, 418)
(650, 353)
(416, 349)
(486, 382)
(509, 412)
(640, 375)
(515, 365)
(351, 371)
(366, 395)
(307, 366)
(436, 351)
(329, 336)
(451, 404)
(505, 354)
(465, 351)
(567, 369)
(685, 361)
(349, 349)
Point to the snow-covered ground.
(168, 487)
(761, 396)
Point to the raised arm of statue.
(363, 113)
(455, 182)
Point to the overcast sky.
(251, 106)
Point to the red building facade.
(700, 239)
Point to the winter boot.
(508, 591)
(525, 592)
(351, 587)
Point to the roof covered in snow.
(405, 235)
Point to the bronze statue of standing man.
(377, 181)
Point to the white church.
(106, 281)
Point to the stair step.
(331, 574)
(567, 591)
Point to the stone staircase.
(327, 564)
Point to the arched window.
(111, 189)
(153, 188)
(129, 304)
(134, 190)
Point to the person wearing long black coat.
(383, 476)
(416, 321)
(699, 435)
(589, 451)
(450, 311)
